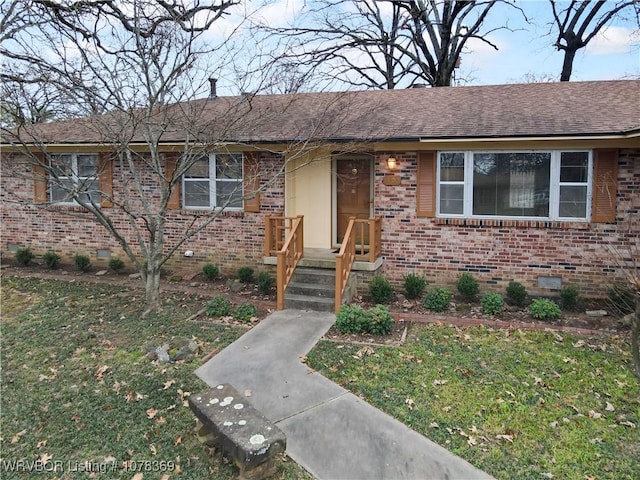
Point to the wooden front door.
(353, 192)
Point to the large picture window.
(537, 185)
(214, 181)
(74, 174)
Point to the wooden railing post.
(288, 255)
(268, 236)
(281, 274)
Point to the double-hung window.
(74, 176)
(213, 181)
(553, 185)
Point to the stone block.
(242, 432)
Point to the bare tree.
(127, 58)
(132, 71)
(579, 21)
(385, 43)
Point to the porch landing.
(326, 258)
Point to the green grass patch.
(78, 392)
(515, 404)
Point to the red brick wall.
(234, 239)
(579, 253)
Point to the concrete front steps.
(313, 288)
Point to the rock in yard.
(163, 356)
(235, 285)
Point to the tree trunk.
(567, 64)
(152, 287)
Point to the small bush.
(569, 297)
(82, 263)
(116, 264)
(51, 259)
(265, 283)
(245, 274)
(379, 321)
(437, 300)
(467, 286)
(210, 271)
(414, 285)
(245, 312)
(24, 256)
(622, 298)
(219, 306)
(492, 303)
(351, 319)
(516, 293)
(380, 289)
(543, 309)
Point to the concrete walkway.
(330, 432)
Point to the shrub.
(516, 293)
(467, 286)
(219, 306)
(245, 312)
(492, 303)
(245, 274)
(24, 256)
(437, 300)
(622, 298)
(82, 262)
(543, 309)
(569, 297)
(210, 271)
(414, 285)
(380, 289)
(116, 264)
(351, 319)
(51, 259)
(379, 321)
(265, 283)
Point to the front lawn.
(81, 400)
(525, 405)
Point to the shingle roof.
(501, 111)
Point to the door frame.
(334, 194)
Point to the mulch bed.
(404, 312)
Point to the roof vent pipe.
(212, 88)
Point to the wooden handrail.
(356, 246)
(290, 253)
(368, 249)
(344, 262)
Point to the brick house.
(538, 183)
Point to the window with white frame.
(536, 184)
(74, 174)
(213, 181)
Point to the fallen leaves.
(151, 413)
(102, 371)
(16, 437)
(168, 384)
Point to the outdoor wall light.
(188, 253)
(391, 162)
